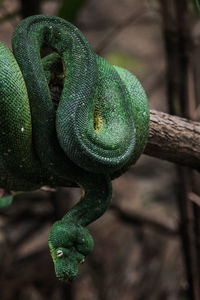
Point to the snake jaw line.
(82, 261)
(82, 193)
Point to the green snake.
(98, 129)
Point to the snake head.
(69, 244)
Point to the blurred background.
(147, 243)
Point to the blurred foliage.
(5, 201)
(127, 61)
(69, 9)
(196, 5)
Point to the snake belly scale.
(98, 130)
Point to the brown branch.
(194, 198)
(174, 139)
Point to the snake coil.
(99, 129)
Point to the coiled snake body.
(99, 129)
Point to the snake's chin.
(65, 280)
(69, 244)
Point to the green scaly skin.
(99, 129)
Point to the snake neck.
(95, 199)
(69, 240)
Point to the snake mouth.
(65, 280)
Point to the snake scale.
(98, 129)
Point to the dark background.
(142, 248)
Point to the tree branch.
(174, 139)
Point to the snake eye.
(59, 253)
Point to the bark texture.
(174, 139)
